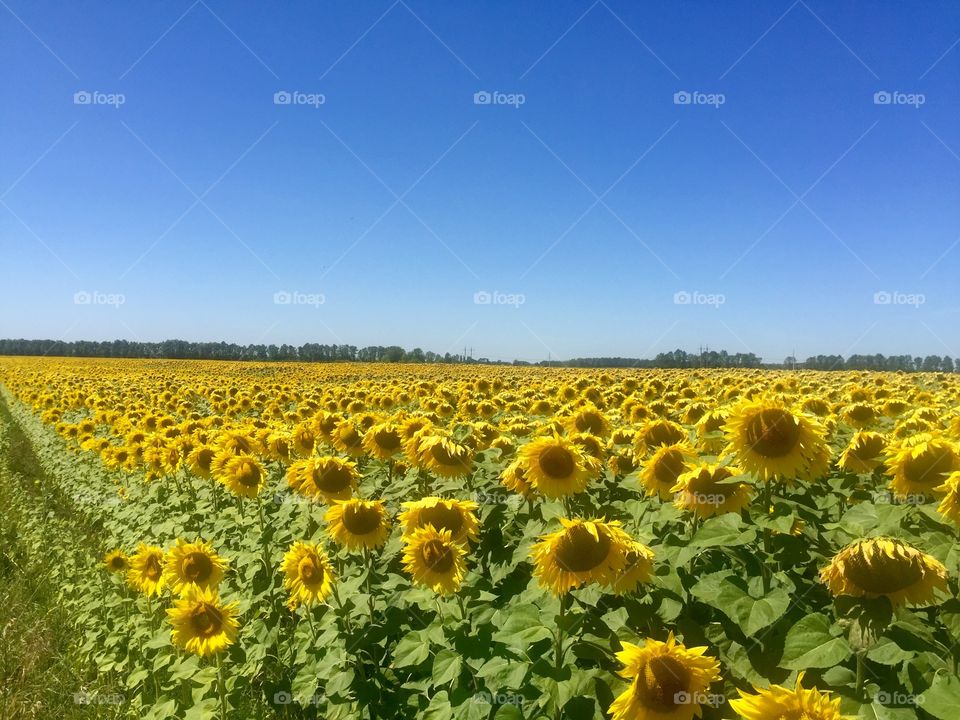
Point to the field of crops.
(432, 541)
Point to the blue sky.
(178, 196)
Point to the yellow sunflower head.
(588, 419)
(200, 460)
(703, 491)
(662, 469)
(583, 551)
(514, 480)
(383, 440)
(668, 681)
(556, 467)
(201, 624)
(328, 478)
(656, 432)
(444, 456)
(243, 475)
(145, 573)
(864, 453)
(434, 559)
(348, 437)
(885, 567)
(192, 565)
(458, 517)
(116, 561)
(950, 505)
(920, 464)
(637, 568)
(771, 441)
(307, 574)
(358, 524)
(779, 702)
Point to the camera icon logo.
(882, 298)
(682, 98)
(82, 97)
(482, 297)
(282, 698)
(681, 298)
(282, 97)
(282, 297)
(82, 298)
(882, 97)
(482, 97)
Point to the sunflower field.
(246, 540)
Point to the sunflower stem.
(264, 541)
(559, 651)
(221, 689)
(368, 558)
(861, 667)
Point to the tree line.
(316, 352)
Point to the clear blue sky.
(198, 198)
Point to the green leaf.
(521, 626)
(942, 698)
(724, 592)
(412, 649)
(446, 666)
(887, 652)
(809, 644)
(726, 530)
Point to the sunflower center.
(204, 459)
(442, 518)
(662, 434)
(773, 432)
(437, 555)
(580, 551)
(556, 462)
(589, 422)
(333, 478)
(387, 439)
(197, 567)
(669, 467)
(443, 456)
(118, 563)
(350, 437)
(248, 474)
(206, 620)
(883, 574)
(663, 683)
(360, 519)
(309, 571)
(930, 467)
(152, 568)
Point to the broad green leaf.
(809, 644)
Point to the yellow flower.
(308, 575)
(329, 478)
(443, 456)
(583, 551)
(864, 453)
(200, 461)
(555, 467)
(773, 442)
(243, 475)
(588, 419)
(661, 471)
(668, 681)
(779, 702)
(920, 464)
(193, 565)
(383, 440)
(434, 559)
(201, 624)
(456, 516)
(885, 567)
(358, 524)
(950, 505)
(655, 433)
(702, 491)
(514, 480)
(145, 573)
(637, 569)
(116, 561)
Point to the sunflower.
(303, 440)
(434, 559)
(348, 437)
(358, 524)
(192, 565)
(588, 419)
(145, 573)
(885, 567)
(383, 440)
(201, 623)
(308, 574)
(200, 461)
(920, 464)
(779, 702)
(328, 478)
(243, 475)
(661, 471)
(950, 505)
(444, 456)
(710, 430)
(116, 561)
(655, 433)
(583, 551)
(668, 681)
(773, 442)
(456, 516)
(864, 453)
(556, 467)
(637, 569)
(703, 491)
(513, 479)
